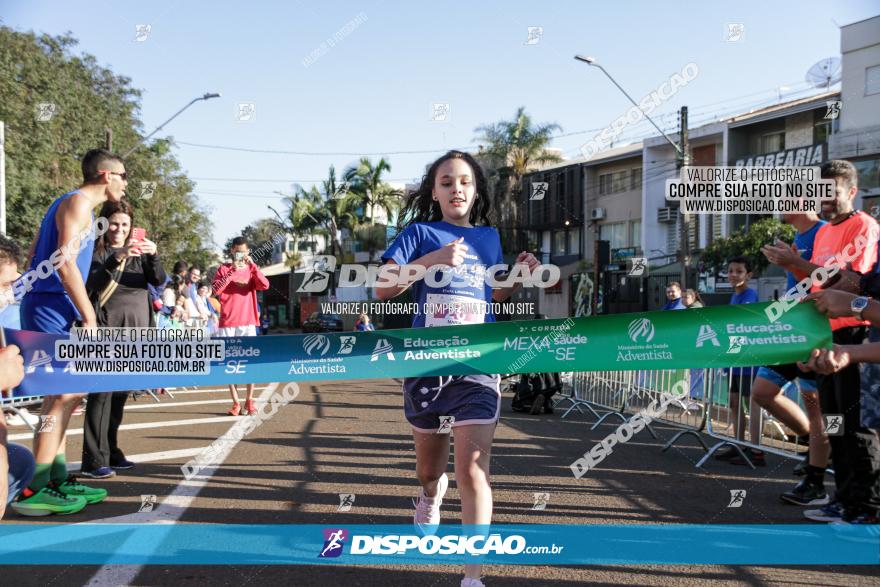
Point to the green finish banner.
(722, 336)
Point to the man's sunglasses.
(123, 176)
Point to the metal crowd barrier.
(705, 409)
(687, 413)
(603, 390)
(774, 437)
(14, 405)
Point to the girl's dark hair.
(175, 282)
(421, 207)
(109, 209)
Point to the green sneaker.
(46, 501)
(72, 487)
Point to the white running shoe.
(466, 582)
(13, 419)
(31, 419)
(427, 516)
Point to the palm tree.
(513, 148)
(366, 188)
(300, 216)
(336, 211)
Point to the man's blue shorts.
(470, 399)
(48, 312)
(780, 375)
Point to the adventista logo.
(333, 542)
(316, 343)
(641, 328)
(383, 347)
(707, 335)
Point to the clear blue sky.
(372, 92)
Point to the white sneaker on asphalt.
(471, 583)
(427, 516)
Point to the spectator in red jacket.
(236, 285)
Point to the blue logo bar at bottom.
(307, 544)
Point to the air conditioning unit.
(597, 214)
(666, 215)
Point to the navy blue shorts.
(470, 399)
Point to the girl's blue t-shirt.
(459, 295)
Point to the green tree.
(511, 149)
(259, 234)
(746, 243)
(43, 156)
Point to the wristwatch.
(857, 306)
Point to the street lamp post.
(206, 96)
(681, 151)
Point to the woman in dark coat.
(121, 270)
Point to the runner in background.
(236, 283)
(854, 452)
(739, 272)
(54, 305)
(767, 392)
(439, 220)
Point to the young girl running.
(440, 220)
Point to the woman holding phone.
(124, 262)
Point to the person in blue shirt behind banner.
(770, 381)
(440, 232)
(739, 272)
(673, 297)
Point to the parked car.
(319, 322)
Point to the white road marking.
(203, 402)
(168, 512)
(151, 457)
(141, 426)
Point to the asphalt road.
(351, 437)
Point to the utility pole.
(108, 139)
(682, 161)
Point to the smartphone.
(138, 234)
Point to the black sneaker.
(725, 453)
(806, 493)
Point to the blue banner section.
(283, 544)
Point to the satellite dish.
(825, 73)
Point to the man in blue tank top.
(54, 299)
